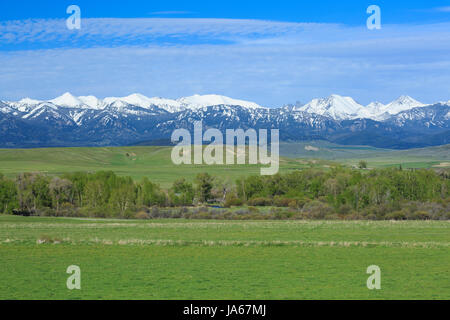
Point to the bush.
(293, 204)
(260, 202)
(142, 215)
(154, 213)
(253, 210)
(232, 200)
(45, 212)
(396, 215)
(281, 201)
(317, 210)
(420, 215)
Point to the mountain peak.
(335, 106)
(142, 101)
(406, 100)
(138, 100)
(200, 101)
(402, 103)
(67, 100)
(375, 105)
(91, 101)
(66, 95)
(29, 101)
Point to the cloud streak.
(171, 12)
(442, 9)
(268, 62)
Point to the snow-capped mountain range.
(344, 108)
(335, 106)
(88, 120)
(67, 100)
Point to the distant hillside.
(137, 162)
(155, 162)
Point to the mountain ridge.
(87, 121)
(335, 106)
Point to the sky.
(269, 52)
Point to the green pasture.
(191, 259)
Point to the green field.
(377, 158)
(179, 259)
(137, 162)
(155, 162)
(207, 259)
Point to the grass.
(180, 259)
(155, 162)
(137, 162)
(377, 158)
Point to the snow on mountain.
(87, 120)
(168, 104)
(376, 107)
(136, 99)
(401, 104)
(83, 102)
(67, 100)
(5, 108)
(24, 105)
(376, 111)
(200, 101)
(142, 101)
(336, 107)
(92, 102)
(343, 108)
(30, 102)
(45, 111)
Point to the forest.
(337, 193)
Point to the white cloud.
(442, 9)
(271, 63)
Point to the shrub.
(317, 210)
(362, 164)
(232, 200)
(154, 212)
(420, 215)
(293, 204)
(142, 215)
(396, 215)
(260, 202)
(281, 201)
(253, 210)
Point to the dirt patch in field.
(442, 165)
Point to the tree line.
(309, 193)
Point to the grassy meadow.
(136, 162)
(219, 259)
(431, 157)
(180, 259)
(155, 162)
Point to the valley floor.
(180, 259)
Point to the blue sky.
(270, 52)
